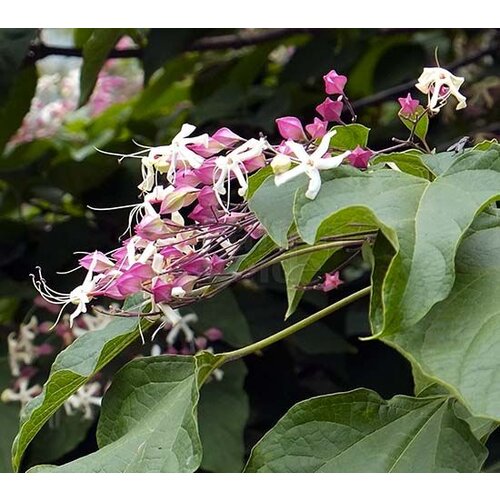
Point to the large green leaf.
(409, 162)
(222, 416)
(71, 369)
(95, 52)
(148, 420)
(360, 432)
(458, 342)
(424, 222)
(14, 45)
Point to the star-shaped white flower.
(311, 164)
(233, 164)
(84, 399)
(166, 158)
(439, 84)
(23, 394)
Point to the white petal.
(290, 174)
(323, 145)
(184, 132)
(298, 150)
(334, 161)
(314, 184)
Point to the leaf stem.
(261, 344)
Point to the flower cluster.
(186, 231)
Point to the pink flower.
(226, 137)
(330, 110)
(332, 281)
(207, 198)
(334, 83)
(131, 280)
(290, 127)
(317, 129)
(255, 163)
(408, 105)
(161, 290)
(359, 157)
(205, 173)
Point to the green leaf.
(17, 104)
(95, 52)
(256, 180)
(9, 418)
(273, 207)
(358, 431)
(439, 163)
(349, 136)
(420, 130)
(301, 270)
(14, 45)
(423, 221)
(409, 162)
(224, 313)
(148, 420)
(457, 343)
(164, 44)
(60, 435)
(261, 249)
(222, 415)
(72, 368)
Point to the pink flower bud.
(317, 129)
(255, 163)
(334, 83)
(207, 198)
(151, 228)
(217, 264)
(290, 127)
(44, 350)
(332, 281)
(161, 290)
(212, 148)
(226, 137)
(181, 197)
(205, 173)
(101, 262)
(201, 343)
(198, 266)
(185, 178)
(408, 104)
(359, 157)
(330, 110)
(213, 334)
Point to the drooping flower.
(84, 399)
(438, 83)
(334, 83)
(311, 164)
(408, 104)
(331, 110)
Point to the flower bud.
(280, 164)
(290, 127)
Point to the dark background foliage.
(212, 78)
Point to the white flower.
(439, 84)
(233, 164)
(83, 400)
(24, 394)
(311, 164)
(79, 296)
(166, 158)
(177, 324)
(22, 351)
